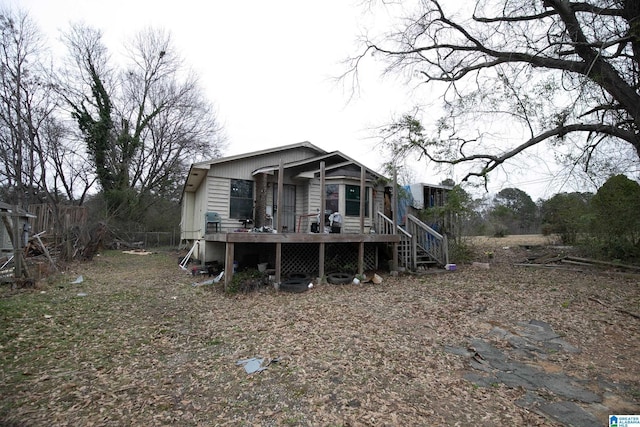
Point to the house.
(264, 207)
(429, 195)
(298, 208)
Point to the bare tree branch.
(563, 71)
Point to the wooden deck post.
(323, 207)
(228, 264)
(278, 262)
(321, 261)
(363, 194)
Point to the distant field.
(516, 240)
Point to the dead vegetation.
(136, 344)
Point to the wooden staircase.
(424, 260)
(420, 246)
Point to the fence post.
(17, 245)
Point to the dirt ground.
(136, 344)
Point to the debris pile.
(573, 263)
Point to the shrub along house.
(265, 207)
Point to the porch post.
(228, 264)
(363, 194)
(280, 201)
(323, 200)
(323, 206)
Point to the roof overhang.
(195, 177)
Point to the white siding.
(417, 192)
(218, 194)
(213, 194)
(187, 224)
(199, 210)
(314, 195)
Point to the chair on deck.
(212, 222)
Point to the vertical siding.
(299, 208)
(187, 224)
(314, 195)
(200, 209)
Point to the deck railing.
(384, 225)
(428, 240)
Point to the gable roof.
(304, 144)
(308, 168)
(198, 171)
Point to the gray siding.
(244, 168)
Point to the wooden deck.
(251, 237)
(322, 239)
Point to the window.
(331, 197)
(352, 201)
(241, 201)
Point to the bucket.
(262, 267)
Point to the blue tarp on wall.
(405, 199)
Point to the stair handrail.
(384, 225)
(429, 240)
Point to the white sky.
(268, 67)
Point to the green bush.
(461, 251)
(245, 281)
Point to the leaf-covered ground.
(136, 344)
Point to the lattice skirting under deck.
(303, 257)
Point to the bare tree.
(39, 159)
(177, 124)
(24, 104)
(516, 74)
(142, 124)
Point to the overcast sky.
(269, 68)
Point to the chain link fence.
(154, 239)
